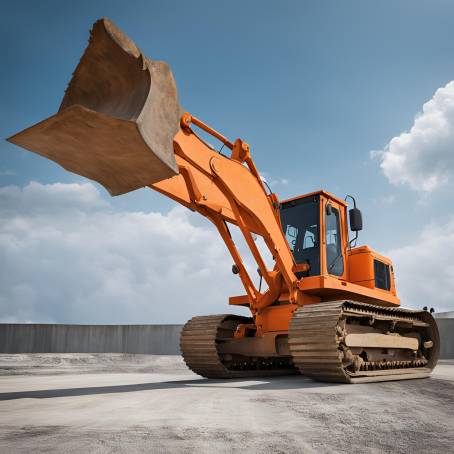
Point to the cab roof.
(319, 192)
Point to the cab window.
(300, 224)
(334, 259)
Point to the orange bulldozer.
(328, 310)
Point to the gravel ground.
(83, 363)
(135, 403)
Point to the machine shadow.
(261, 383)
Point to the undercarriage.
(338, 341)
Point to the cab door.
(334, 238)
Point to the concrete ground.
(138, 403)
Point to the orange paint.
(229, 190)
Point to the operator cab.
(303, 220)
(316, 229)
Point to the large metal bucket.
(118, 117)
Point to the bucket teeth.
(118, 118)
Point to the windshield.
(300, 224)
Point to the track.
(319, 343)
(318, 333)
(200, 338)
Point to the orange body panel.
(361, 267)
(229, 190)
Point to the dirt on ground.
(139, 403)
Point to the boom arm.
(120, 124)
(225, 190)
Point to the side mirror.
(356, 219)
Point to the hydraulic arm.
(226, 190)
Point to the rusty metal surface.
(118, 117)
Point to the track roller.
(351, 342)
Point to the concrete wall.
(446, 329)
(151, 339)
(41, 338)
(449, 314)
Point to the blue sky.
(313, 86)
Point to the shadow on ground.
(281, 383)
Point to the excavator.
(328, 308)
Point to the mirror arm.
(351, 197)
(353, 240)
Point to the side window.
(334, 259)
(382, 277)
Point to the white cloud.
(273, 181)
(425, 269)
(67, 256)
(423, 158)
(283, 181)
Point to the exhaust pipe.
(118, 117)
